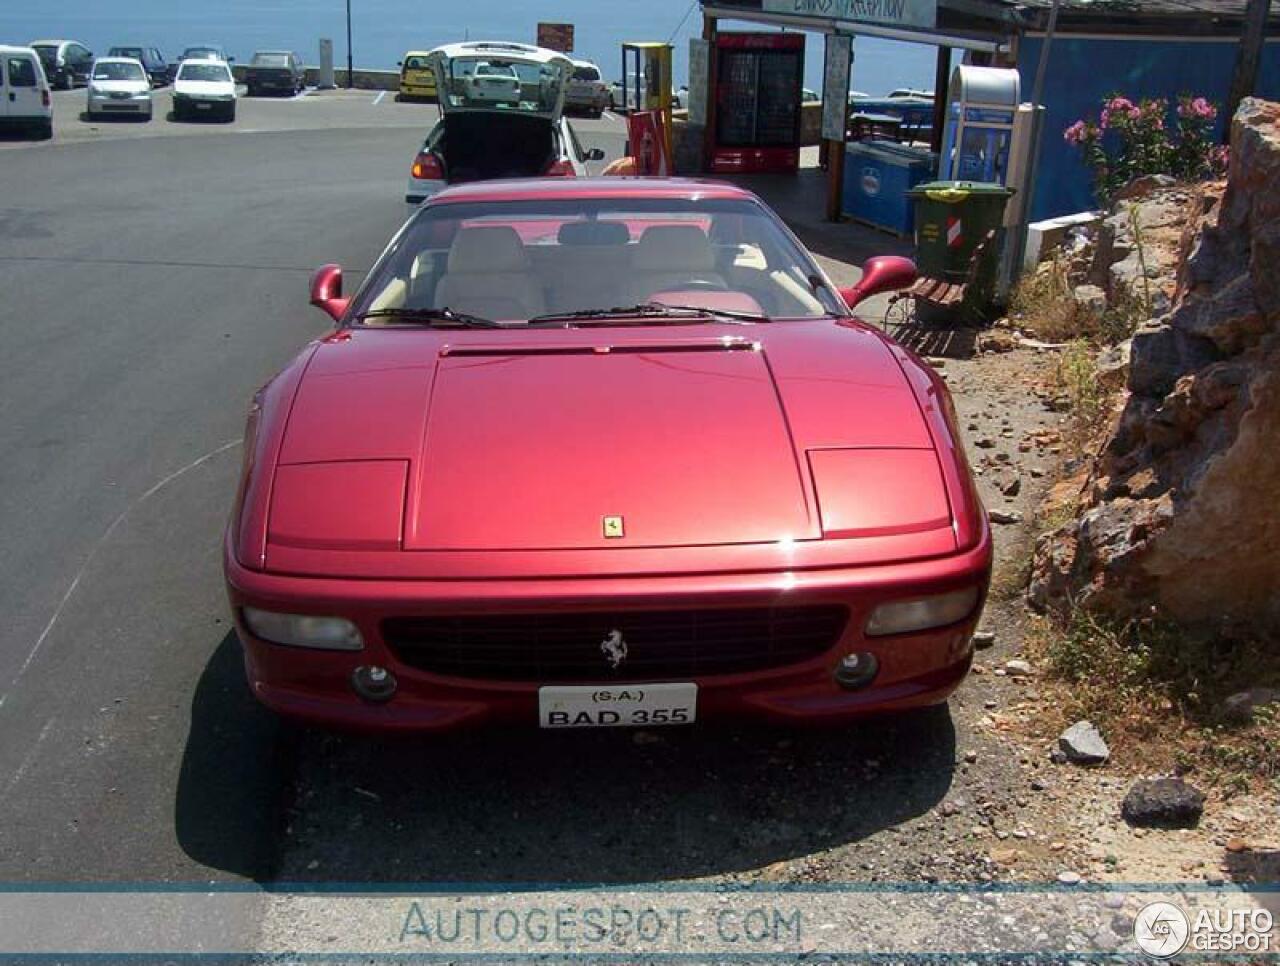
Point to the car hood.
(120, 86)
(205, 88)
(420, 440)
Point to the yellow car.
(417, 79)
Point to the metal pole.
(1019, 241)
(351, 72)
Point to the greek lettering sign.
(892, 13)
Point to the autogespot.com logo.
(1161, 929)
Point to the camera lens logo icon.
(1161, 929)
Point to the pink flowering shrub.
(1128, 140)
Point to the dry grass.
(1087, 402)
(1156, 691)
(1042, 303)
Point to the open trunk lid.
(543, 77)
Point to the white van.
(25, 101)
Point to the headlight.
(903, 616)
(303, 630)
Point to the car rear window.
(586, 74)
(48, 54)
(271, 60)
(22, 73)
(204, 72)
(415, 63)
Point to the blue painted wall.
(1084, 71)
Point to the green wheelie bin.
(954, 219)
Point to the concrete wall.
(367, 80)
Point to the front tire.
(66, 82)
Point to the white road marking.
(35, 649)
(378, 100)
(28, 758)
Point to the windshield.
(270, 60)
(126, 52)
(496, 83)
(199, 53)
(47, 53)
(204, 72)
(511, 261)
(586, 74)
(118, 72)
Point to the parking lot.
(154, 276)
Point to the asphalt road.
(154, 275)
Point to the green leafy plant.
(1129, 140)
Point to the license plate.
(203, 107)
(617, 705)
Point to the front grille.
(661, 644)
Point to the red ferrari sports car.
(603, 452)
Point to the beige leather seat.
(488, 274)
(592, 267)
(669, 257)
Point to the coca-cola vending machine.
(758, 80)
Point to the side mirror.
(884, 273)
(326, 291)
(595, 154)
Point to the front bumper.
(916, 669)
(104, 104)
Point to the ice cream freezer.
(877, 177)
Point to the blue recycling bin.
(877, 177)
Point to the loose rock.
(1083, 744)
(1004, 517)
(1163, 803)
(983, 640)
(1241, 705)
(1017, 668)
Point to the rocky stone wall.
(1181, 509)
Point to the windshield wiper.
(650, 311)
(432, 317)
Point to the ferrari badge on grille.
(613, 526)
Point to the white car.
(119, 86)
(493, 83)
(204, 88)
(586, 91)
(478, 139)
(635, 85)
(25, 101)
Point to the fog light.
(373, 683)
(857, 670)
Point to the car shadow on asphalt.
(236, 763)
(608, 806)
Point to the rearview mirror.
(595, 154)
(884, 273)
(326, 291)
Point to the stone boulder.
(1178, 512)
